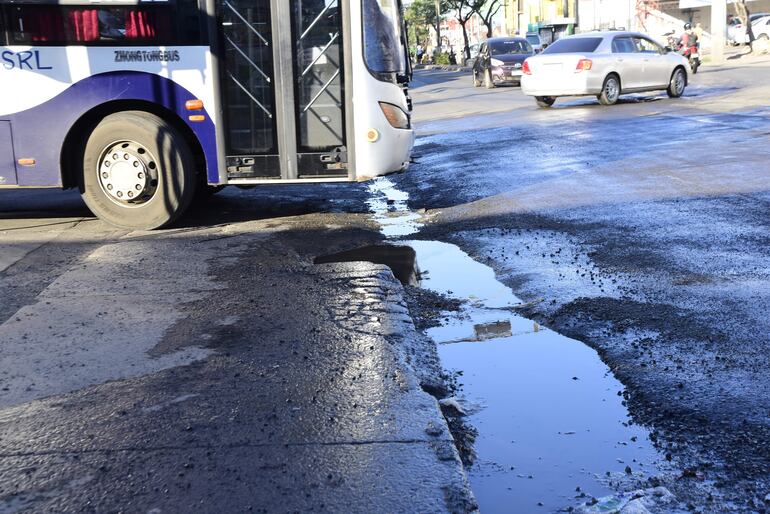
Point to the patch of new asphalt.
(219, 370)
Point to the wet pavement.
(548, 418)
(214, 367)
(593, 282)
(640, 230)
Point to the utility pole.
(438, 25)
(718, 30)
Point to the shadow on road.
(231, 205)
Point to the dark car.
(500, 60)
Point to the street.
(580, 276)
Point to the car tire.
(136, 142)
(677, 83)
(488, 82)
(476, 81)
(545, 101)
(610, 90)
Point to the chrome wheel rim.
(611, 89)
(128, 173)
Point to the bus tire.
(138, 171)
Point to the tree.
(464, 11)
(422, 13)
(487, 11)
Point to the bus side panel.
(7, 160)
(44, 102)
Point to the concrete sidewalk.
(218, 370)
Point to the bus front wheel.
(138, 171)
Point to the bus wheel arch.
(137, 170)
(74, 144)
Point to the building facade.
(550, 18)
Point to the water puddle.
(391, 212)
(553, 431)
(552, 427)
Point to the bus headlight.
(395, 115)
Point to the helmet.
(687, 26)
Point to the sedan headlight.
(496, 62)
(395, 115)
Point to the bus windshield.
(384, 50)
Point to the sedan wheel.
(677, 84)
(545, 101)
(610, 91)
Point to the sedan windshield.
(574, 45)
(511, 46)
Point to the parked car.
(761, 28)
(500, 60)
(474, 52)
(605, 64)
(736, 30)
(535, 41)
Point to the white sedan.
(605, 64)
(761, 29)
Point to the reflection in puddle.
(492, 330)
(553, 430)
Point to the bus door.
(7, 160)
(283, 86)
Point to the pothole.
(540, 420)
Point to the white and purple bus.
(141, 103)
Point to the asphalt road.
(213, 367)
(644, 228)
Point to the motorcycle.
(691, 52)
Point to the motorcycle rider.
(689, 39)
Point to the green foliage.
(442, 58)
(422, 13)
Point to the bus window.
(126, 25)
(384, 52)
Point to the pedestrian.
(698, 31)
(419, 53)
